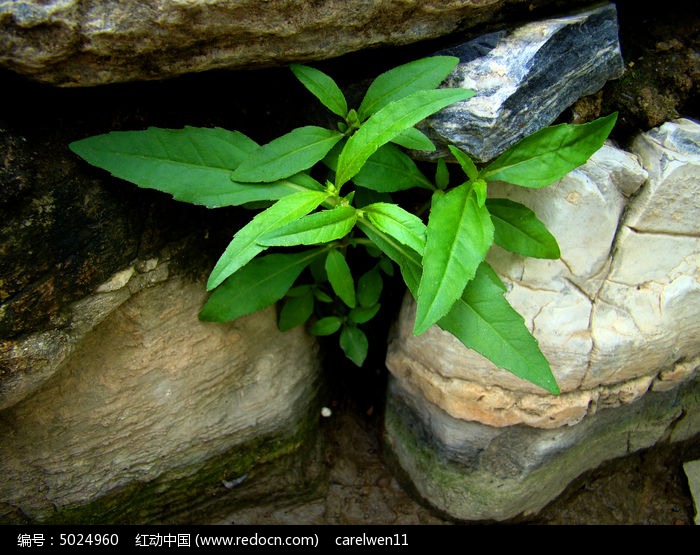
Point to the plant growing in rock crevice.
(328, 193)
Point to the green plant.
(327, 224)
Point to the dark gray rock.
(524, 78)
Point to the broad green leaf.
(483, 320)
(362, 314)
(322, 87)
(340, 277)
(517, 229)
(192, 164)
(408, 260)
(354, 343)
(442, 174)
(296, 310)
(287, 155)
(321, 227)
(549, 154)
(369, 287)
(392, 85)
(414, 139)
(397, 222)
(257, 285)
(388, 170)
(326, 326)
(387, 123)
(467, 164)
(244, 245)
(458, 237)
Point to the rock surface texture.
(149, 400)
(85, 42)
(524, 78)
(616, 316)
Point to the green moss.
(274, 467)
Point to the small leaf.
(479, 186)
(517, 229)
(414, 139)
(459, 235)
(362, 314)
(467, 164)
(549, 154)
(296, 311)
(287, 155)
(322, 296)
(389, 170)
(483, 320)
(397, 222)
(322, 87)
(442, 174)
(340, 277)
(321, 227)
(354, 343)
(369, 287)
(387, 123)
(244, 245)
(257, 285)
(419, 75)
(326, 326)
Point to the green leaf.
(467, 164)
(419, 75)
(369, 287)
(340, 277)
(322, 296)
(287, 155)
(296, 311)
(257, 285)
(549, 154)
(362, 314)
(483, 320)
(398, 223)
(326, 326)
(479, 186)
(244, 245)
(442, 174)
(322, 87)
(388, 170)
(414, 139)
(354, 343)
(517, 229)
(320, 227)
(387, 123)
(193, 164)
(458, 237)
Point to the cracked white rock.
(620, 308)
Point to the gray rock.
(90, 42)
(475, 472)
(157, 417)
(524, 78)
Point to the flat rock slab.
(91, 42)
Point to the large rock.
(524, 78)
(153, 416)
(616, 316)
(79, 42)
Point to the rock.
(157, 417)
(475, 472)
(524, 78)
(616, 316)
(79, 43)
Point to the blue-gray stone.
(524, 78)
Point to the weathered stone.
(616, 312)
(524, 78)
(475, 472)
(77, 42)
(152, 400)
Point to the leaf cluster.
(329, 195)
